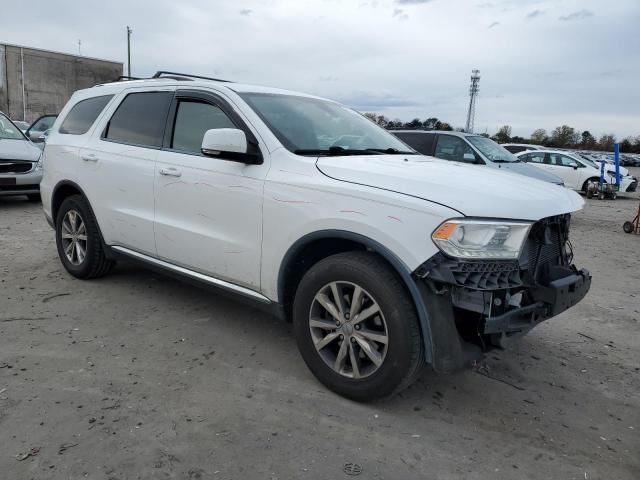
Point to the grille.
(15, 166)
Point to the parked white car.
(20, 170)
(575, 170)
(382, 258)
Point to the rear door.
(564, 168)
(119, 167)
(208, 210)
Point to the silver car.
(20, 170)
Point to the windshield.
(8, 131)
(309, 126)
(588, 161)
(491, 150)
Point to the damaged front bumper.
(484, 304)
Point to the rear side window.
(421, 142)
(83, 114)
(192, 121)
(140, 119)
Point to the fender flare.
(398, 265)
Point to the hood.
(19, 150)
(530, 171)
(472, 190)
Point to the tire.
(585, 185)
(94, 263)
(601, 196)
(628, 227)
(589, 194)
(34, 197)
(400, 361)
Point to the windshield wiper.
(393, 151)
(336, 151)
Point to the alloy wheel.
(348, 329)
(74, 237)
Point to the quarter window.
(193, 119)
(140, 119)
(83, 114)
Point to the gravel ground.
(139, 376)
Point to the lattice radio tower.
(474, 88)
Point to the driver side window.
(193, 119)
(452, 148)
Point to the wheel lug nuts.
(341, 337)
(337, 324)
(357, 327)
(353, 340)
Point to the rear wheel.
(628, 227)
(78, 240)
(356, 327)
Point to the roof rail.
(126, 77)
(178, 76)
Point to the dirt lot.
(138, 376)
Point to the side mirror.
(469, 158)
(574, 165)
(229, 144)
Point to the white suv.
(379, 258)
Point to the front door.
(208, 210)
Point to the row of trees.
(560, 137)
(428, 124)
(568, 137)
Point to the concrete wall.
(49, 79)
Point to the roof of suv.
(115, 87)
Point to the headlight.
(39, 165)
(481, 239)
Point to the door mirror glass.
(573, 165)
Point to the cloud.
(534, 14)
(579, 15)
(399, 14)
(493, 25)
(246, 11)
(412, 2)
(364, 101)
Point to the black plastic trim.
(383, 251)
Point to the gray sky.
(543, 62)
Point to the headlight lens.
(39, 165)
(481, 239)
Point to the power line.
(474, 88)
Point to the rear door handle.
(170, 172)
(89, 158)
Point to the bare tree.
(504, 134)
(539, 136)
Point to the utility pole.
(79, 47)
(473, 93)
(129, 32)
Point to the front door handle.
(170, 172)
(89, 158)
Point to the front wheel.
(356, 326)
